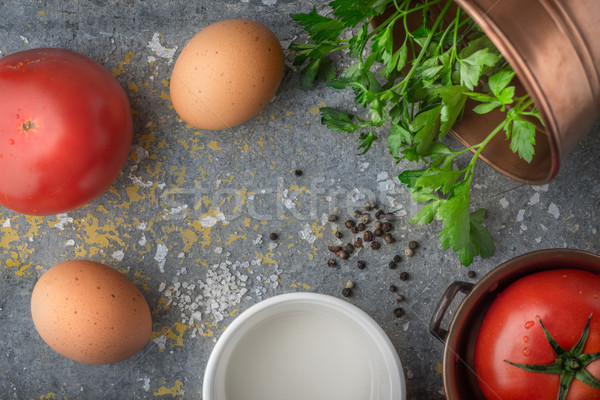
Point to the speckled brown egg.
(226, 74)
(90, 312)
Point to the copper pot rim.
(474, 305)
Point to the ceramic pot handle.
(439, 312)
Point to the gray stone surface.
(189, 200)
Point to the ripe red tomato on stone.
(65, 130)
(511, 333)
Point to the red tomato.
(563, 300)
(65, 130)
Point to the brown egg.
(90, 313)
(226, 74)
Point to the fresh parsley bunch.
(418, 83)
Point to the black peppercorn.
(375, 245)
(355, 230)
(379, 214)
(349, 248)
(398, 312)
(403, 276)
(350, 224)
(392, 264)
(361, 227)
(393, 288)
(377, 232)
(471, 274)
(332, 218)
(358, 243)
(365, 218)
(298, 172)
(413, 245)
(273, 236)
(331, 263)
(399, 298)
(389, 216)
(334, 249)
(357, 214)
(386, 227)
(389, 238)
(368, 236)
(343, 254)
(346, 292)
(397, 258)
(361, 264)
(339, 235)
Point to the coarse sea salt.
(224, 286)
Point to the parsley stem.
(417, 62)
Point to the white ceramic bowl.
(304, 346)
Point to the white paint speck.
(218, 250)
(118, 255)
(142, 226)
(209, 220)
(146, 386)
(161, 341)
(504, 203)
(362, 167)
(543, 188)
(62, 220)
(6, 224)
(142, 240)
(161, 51)
(24, 39)
(162, 287)
(553, 210)
(520, 215)
(534, 199)
(269, 2)
(70, 242)
(161, 256)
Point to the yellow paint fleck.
(175, 390)
(175, 336)
(233, 237)
(165, 83)
(315, 111)
(133, 87)
(48, 396)
(322, 104)
(261, 142)
(214, 145)
(164, 95)
(232, 313)
(439, 368)
(42, 13)
(301, 285)
(247, 222)
(9, 235)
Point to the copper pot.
(553, 47)
(460, 382)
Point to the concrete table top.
(192, 212)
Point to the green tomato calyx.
(569, 364)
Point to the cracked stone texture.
(188, 200)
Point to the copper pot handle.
(438, 315)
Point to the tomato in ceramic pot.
(65, 130)
(540, 339)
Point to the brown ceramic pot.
(460, 382)
(553, 47)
